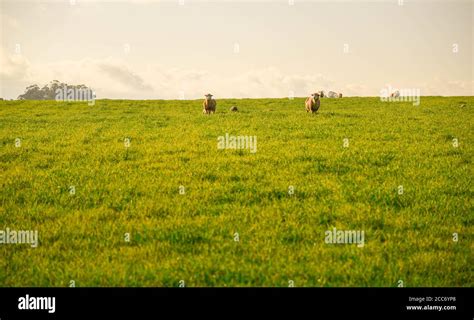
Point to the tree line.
(49, 91)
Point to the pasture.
(171, 208)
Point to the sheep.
(332, 94)
(395, 94)
(234, 109)
(312, 103)
(209, 104)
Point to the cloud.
(13, 67)
(268, 82)
(263, 82)
(447, 87)
(115, 78)
(108, 77)
(355, 89)
(123, 75)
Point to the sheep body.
(312, 103)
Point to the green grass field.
(191, 236)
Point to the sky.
(183, 49)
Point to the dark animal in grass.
(312, 103)
(209, 104)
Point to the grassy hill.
(171, 205)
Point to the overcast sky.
(164, 50)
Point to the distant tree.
(32, 92)
(49, 91)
